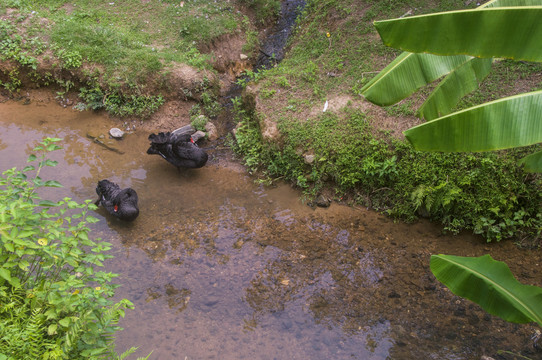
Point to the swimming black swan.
(178, 149)
(119, 203)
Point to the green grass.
(265, 10)
(334, 51)
(125, 47)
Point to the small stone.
(394, 295)
(309, 159)
(198, 135)
(243, 57)
(211, 301)
(322, 201)
(116, 133)
(212, 133)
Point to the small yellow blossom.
(42, 241)
(98, 288)
(328, 34)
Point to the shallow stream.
(221, 268)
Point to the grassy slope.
(357, 149)
(129, 49)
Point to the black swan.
(178, 149)
(119, 203)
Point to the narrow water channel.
(221, 268)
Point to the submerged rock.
(116, 133)
(322, 201)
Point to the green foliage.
(193, 57)
(117, 46)
(491, 285)
(333, 145)
(485, 193)
(71, 59)
(211, 106)
(499, 125)
(252, 42)
(266, 10)
(56, 304)
(199, 122)
(249, 75)
(119, 104)
(248, 137)
(310, 72)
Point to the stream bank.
(219, 267)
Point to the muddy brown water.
(221, 268)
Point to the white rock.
(309, 159)
(116, 133)
(198, 135)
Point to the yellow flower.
(328, 34)
(42, 241)
(98, 288)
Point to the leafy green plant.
(252, 42)
(266, 10)
(491, 285)
(247, 136)
(119, 104)
(71, 59)
(93, 99)
(211, 106)
(490, 126)
(310, 72)
(55, 302)
(199, 122)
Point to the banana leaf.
(477, 32)
(453, 87)
(505, 123)
(533, 162)
(490, 284)
(508, 3)
(406, 74)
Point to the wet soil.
(221, 268)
